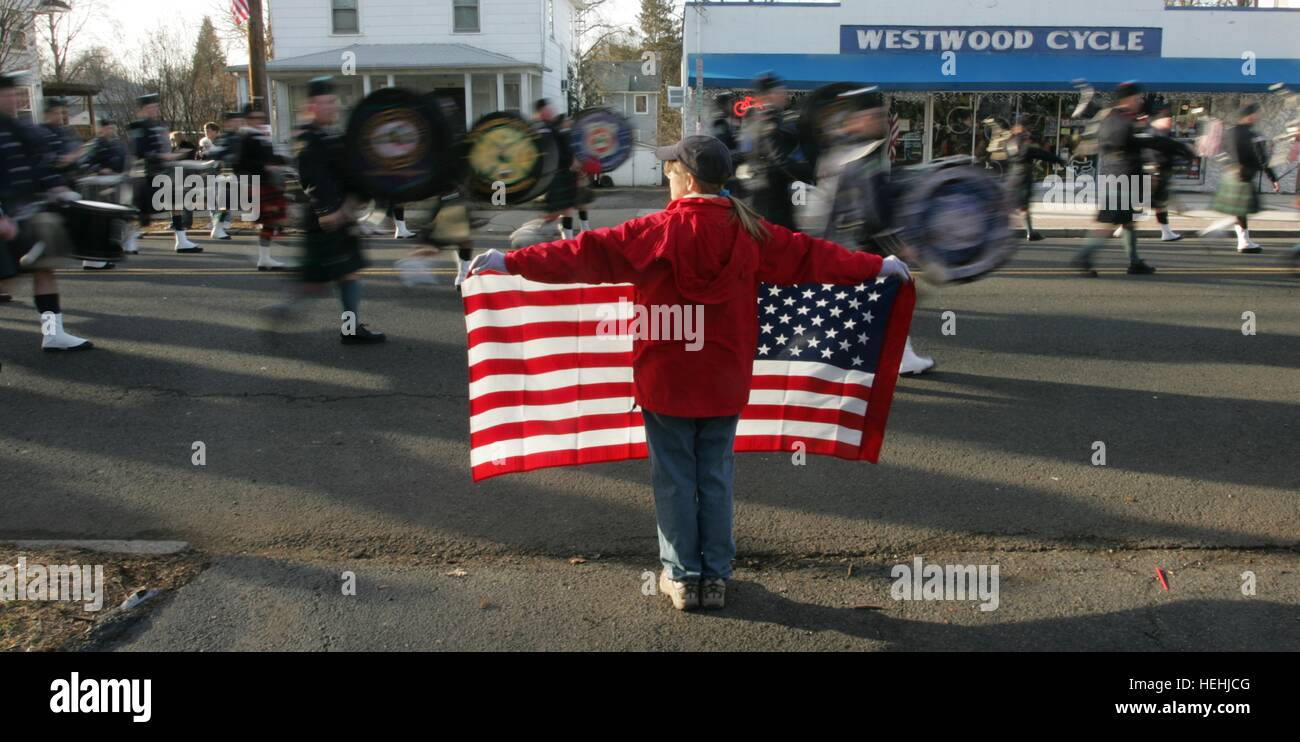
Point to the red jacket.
(694, 253)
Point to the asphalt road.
(322, 458)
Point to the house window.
(641, 104)
(343, 16)
(464, 16)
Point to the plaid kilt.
(1235, 196)
(563, 193)
(272, 206)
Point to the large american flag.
(240, 9)
(547, 389)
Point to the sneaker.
(1084, 266)
(1250, 249)
(363, 336)
(713, 593)
(684, 594)
(1140, 269)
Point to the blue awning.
(1026, 72)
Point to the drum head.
(399, 146)
(504, 148)
(603, 135)
(955, 220)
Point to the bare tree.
(15, 34)
(59, 34)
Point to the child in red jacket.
(705, 254)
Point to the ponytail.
(749, 219)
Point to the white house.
(486, 55)
(20, 50)
(624, 87)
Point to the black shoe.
(1034, 236)
(104, 267)
(188, 250)
(5, 298)
(1084, 266)
(1140, 269)
(363, 336)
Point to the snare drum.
(95, 229)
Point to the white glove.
(892, 267)
(68, 195)
(492, 260)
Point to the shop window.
(907, 118)
(954, 125)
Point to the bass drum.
(502, 148)
(602, 135)
(95, 229)
(954, 220)
(400, 147)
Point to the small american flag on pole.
(240, 9)
(549, 387)
(895, 130)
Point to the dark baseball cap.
(706, 157)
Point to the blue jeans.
(691, 468)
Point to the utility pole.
(257, 94)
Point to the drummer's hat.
(323, 85)
(10, 80)
(55, 103)
(148, 98)
(864, 98)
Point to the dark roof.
(622, 77)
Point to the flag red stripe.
(811, 384)
(563, 395)
(572, 425)
(556, 298)
(570, 457)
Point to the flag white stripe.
(562, 411)
(811, 368)
(815, 400)
(550, 380)
(527, 315)
(800, 429)
(543, 347)
(547, 443)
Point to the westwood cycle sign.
(1063, 40)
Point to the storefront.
(999, 61)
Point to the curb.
(107, 546)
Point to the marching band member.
(765, 141)
(1236, 192)
(1164, 152)
(224, 148)
(25, 171)
(333, 248)
(704, 249)
(150, 143)
(1120, 154)
(106, 156)
(854, 172)
(562, 196)
(1021, 155)
(256, 158)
